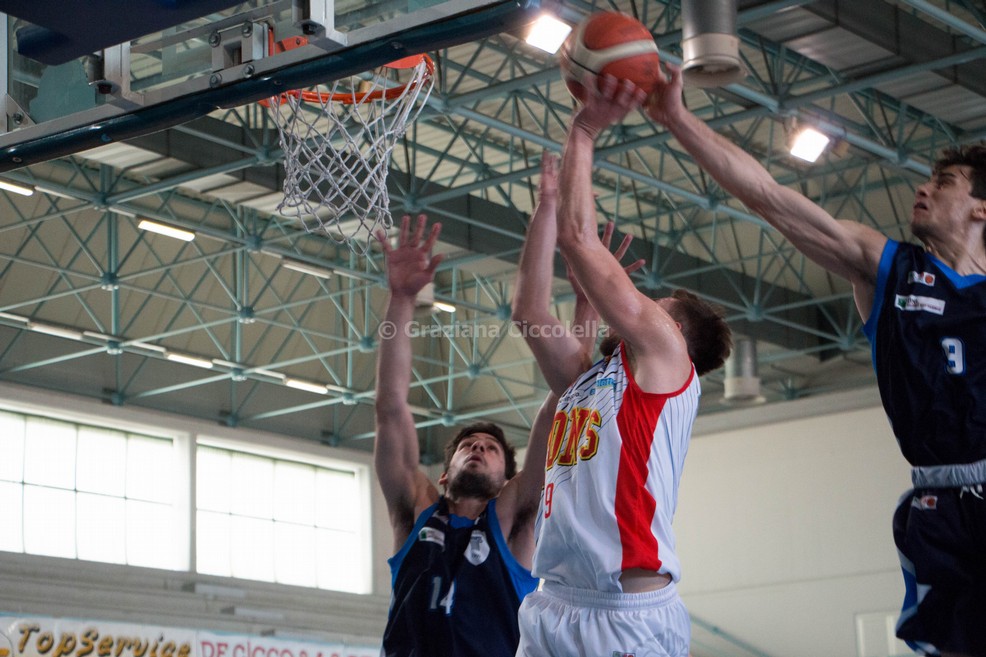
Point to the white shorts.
(558, 621)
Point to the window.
(279, 520)
(76, 491)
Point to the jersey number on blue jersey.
(445, 602)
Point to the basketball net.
(337, 140)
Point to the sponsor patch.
(617, 653)
(432, 535)
(925, 304)
(608, 381)
(925, 502)
(922, 277)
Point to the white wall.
(784, 523)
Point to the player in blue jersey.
(924, 309)
(463, 557)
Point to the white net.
(337, 144)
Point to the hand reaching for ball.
(613, 100)
(664, 103)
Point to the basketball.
(614, 43)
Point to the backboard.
(70, 85)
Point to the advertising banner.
(38, 636)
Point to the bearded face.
(476, 469)
(474, 484)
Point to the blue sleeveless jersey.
(928, 335)
(456, 589)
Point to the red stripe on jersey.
(635, 505)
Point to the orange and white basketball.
(614, 43)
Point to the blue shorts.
(940, 534)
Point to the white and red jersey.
(613, 464)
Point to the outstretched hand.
(609, 103)
(665, 102)
(411, 266)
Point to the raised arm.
(395, 451)
(585, 319)
(845, 248)
(518, 502)
(560, 354)
(639, 320)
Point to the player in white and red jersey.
(620, 433)
(623, 449)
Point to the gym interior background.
(242, 359)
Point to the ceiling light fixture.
(54, 192)
(307, 386)
(305, 268)
(14, 318)
(149, 347)
(808, 144)
(99, 336)
(164, 229)
(186, 359)
(548, 33)
(269, 373)
(23, 190)
(57, 331)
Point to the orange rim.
(347, 98)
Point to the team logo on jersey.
(925, 502)
(432, 535)
(607, 382)
(617, 653)
(915, 302)
(922, 277)
(478, 548)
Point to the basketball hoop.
(337, 141)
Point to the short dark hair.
(509, 452)
(973, 156)
(706, 332)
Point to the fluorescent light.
(98, 336)
(271, 373)
(809, 144)
(150, 347)
(305, 268)
(306, 386)
(23, 190)
(185, 359)
(57, 331)
(444, 307)
(14, 318)
(54, 192)
(548, 33)
(162, 229)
